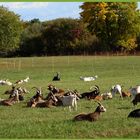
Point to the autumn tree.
(116, 24)
(10, 31)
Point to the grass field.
(19, 121)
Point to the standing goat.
(70, 101)
(116, 89)
(91, 116)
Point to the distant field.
(19, 121)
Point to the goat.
(5, 82)
(134, 114)
(22, 81)
(134, 91)
(136, 99)
(9, 102)
(38, 96)
(116, 89)
(91, 94)
(48, 103)
(94, 116)
(55, 90)
(107, 95)
(126, 94)
(70, 101)
(57, 77)
(87, 79)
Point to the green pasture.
(18, 121)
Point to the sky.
(45, 10)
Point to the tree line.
(103, 27)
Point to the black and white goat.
(134, 91)
(91, 94)
(57, 77)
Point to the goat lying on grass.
(134, 114)
(91, 94)
(44, 103)
(106, 96)
(87, 79)
(91, 116)
(5, 82)
(57, 77)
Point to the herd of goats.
(60, 97)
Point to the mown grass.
(19, 121)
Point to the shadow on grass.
(126, 107)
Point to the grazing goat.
(57, 77)
(134, 91)
(106, 96)
(91, 94)
(5, 82)
(116, 89)
(70, 101)
(136, 99)
(87, 79)
(134, 114)
(91, 116)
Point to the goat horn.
(36, 88)
(95, 86)
(98, 103)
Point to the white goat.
(134, 91)
(87, 79)
(116, 89)
(106, 96)
(26, 79)
(70, 101)
(5, 82)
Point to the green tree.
(10, 31)
(31, 41)
(67, 36)
(115, 23)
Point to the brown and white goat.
(94, 116)
(43, 103)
